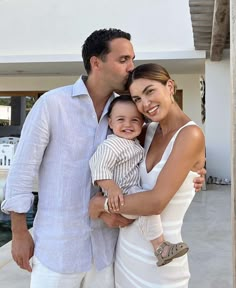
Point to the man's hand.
(96, 205)
(22, 249)
(198, 181)
(115, 220)
(22, 241)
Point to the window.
(5, 111)
(14, 107)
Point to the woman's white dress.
(135, 265)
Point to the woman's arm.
(188, 154)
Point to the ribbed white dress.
(135, 265)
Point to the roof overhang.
(211, 29)
(176, 62)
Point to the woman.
(175, 151)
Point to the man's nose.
(130, 67)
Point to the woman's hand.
(198, 181)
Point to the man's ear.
(94, 62)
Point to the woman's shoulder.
(191, 133)
(191, 129)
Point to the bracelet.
(106, 207)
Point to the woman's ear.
(171, 86)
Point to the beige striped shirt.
(118, 159)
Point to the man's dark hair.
(97, 44)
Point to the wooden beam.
(233, 130)
(199, 37)
(201, 23)
(201, 3)
(199, 10)
(202, 35)
(220, 29)
(202, 46)
(202, 17)
(203, 29)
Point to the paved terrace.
(207, 230)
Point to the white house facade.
(41, 49)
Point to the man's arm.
(18, 192)
(115, 220)
(22, 241)
(27, 160)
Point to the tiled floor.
(207, 230)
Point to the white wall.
(218, 118)
(51, 28)
(190, 85)
(216, 127)
(41, 27)
(34, 83)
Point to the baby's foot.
(167, 251)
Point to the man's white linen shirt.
(59, 136)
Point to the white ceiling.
(174, 66)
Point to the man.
(59, 136)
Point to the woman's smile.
(153, 110)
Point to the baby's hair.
(121, 98)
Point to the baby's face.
(125, 120)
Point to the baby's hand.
(115, 201)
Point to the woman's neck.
(175, 119)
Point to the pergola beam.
(219, 29)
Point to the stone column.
(233, 127)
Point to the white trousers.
(41, 276)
